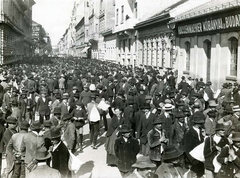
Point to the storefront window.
(187, 49)
(233, 42)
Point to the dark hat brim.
(173, 156)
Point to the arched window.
(187, 50)
(233, 47)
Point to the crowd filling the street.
(154, 126)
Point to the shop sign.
(208, 25)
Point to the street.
(94, 161)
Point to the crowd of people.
(154, 125)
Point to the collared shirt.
(55, 146)
(198, 132)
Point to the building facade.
(41, 40)
(208, 42)
(15, 30)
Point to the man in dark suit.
(144, 126)
(60, 154)
(42, 106)
(192, 138)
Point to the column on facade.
(167, 51)
(149, 51)
(159, 54)
(144, 52)
(139, 56)
(154, 54)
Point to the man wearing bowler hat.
(14, 146)
(43, 170)
(192, 138)
(60, 153)
(157, 141)
(126, 149)
(145, 124)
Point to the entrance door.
(207, 49)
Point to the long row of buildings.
(20, 36)
(198, 38)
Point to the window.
(233, 47)
(117, 17)
(187, 49)
(122, 15)
(129, 44)
(135, 10)
(124, 45)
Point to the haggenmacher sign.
(221, 23)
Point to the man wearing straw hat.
(43, 170)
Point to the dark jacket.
(145, 125)
(126, 153)
(60, 157)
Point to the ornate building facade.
(15, 29)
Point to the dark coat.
(145, 125)
(115, 123)
(210, 150)
(128, 114)
(155, 144)
(42, 107)
(126, 153)
(168, 125)
(60, 157)
(178, 134)
(191, 140)
(227, 169)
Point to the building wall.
(16, 29)
(219, 62)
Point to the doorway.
(207, 48)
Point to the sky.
(54, 16)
